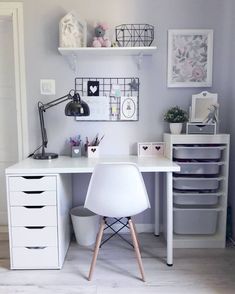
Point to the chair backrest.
(116, 190)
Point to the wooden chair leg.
(137, 251)
(97, 247)
(136, 234)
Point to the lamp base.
(45, 156)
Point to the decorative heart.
(158, 147)
(76, 151)
(93, 89)
(145, 147)
(93, 150)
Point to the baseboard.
(4, 233)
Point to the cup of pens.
(92, 148)
(76, 146)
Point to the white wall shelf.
(72, 54)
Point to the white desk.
(29, 179)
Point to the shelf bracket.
(72, 61)
(139, 60)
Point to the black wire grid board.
(120, 96)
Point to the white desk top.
(66, 164)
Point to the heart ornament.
(93, 89)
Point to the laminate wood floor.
(194, 271)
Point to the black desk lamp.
(75, 107)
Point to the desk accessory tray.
(201, 128)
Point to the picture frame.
(200, 105)
(190, 56)
(128, 108)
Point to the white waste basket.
(85, 225)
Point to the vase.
(76, 151)
(176, 128)
(93, 151)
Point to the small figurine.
(101, 39)
(70, 35)
(212, 116)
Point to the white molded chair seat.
(117, 190)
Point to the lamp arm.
(57, 101)
(73, 108)
(41, 109)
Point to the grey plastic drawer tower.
(199, 189)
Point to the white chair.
(117, 190)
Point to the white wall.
(43, 61)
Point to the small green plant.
(176, 115)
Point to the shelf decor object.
(118, 100)
(149, 149)
(75, 107)
(202, 110)
(73, 31)
(190, 55)
(134, 35)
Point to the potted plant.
(176, 117)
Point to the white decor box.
(146, 149)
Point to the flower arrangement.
(75, 141)
(176, 115)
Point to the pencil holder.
(76, 151)
(93, 151)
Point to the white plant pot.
(176, 128)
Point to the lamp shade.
(77, 107)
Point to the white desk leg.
(157, 208)
(169, 218)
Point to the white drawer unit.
(34, 236)
(32, 198)
(38, 213)
(199, 189)
(33, 216)
(32, 183)
(35, 257)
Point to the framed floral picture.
(190, 54)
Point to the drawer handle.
(32, 177)
(36, 247)
(34, 207)
(35, 228)
(33, 192)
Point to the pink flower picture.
(190, 58)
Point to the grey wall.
(43, 61)
(231, 105)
